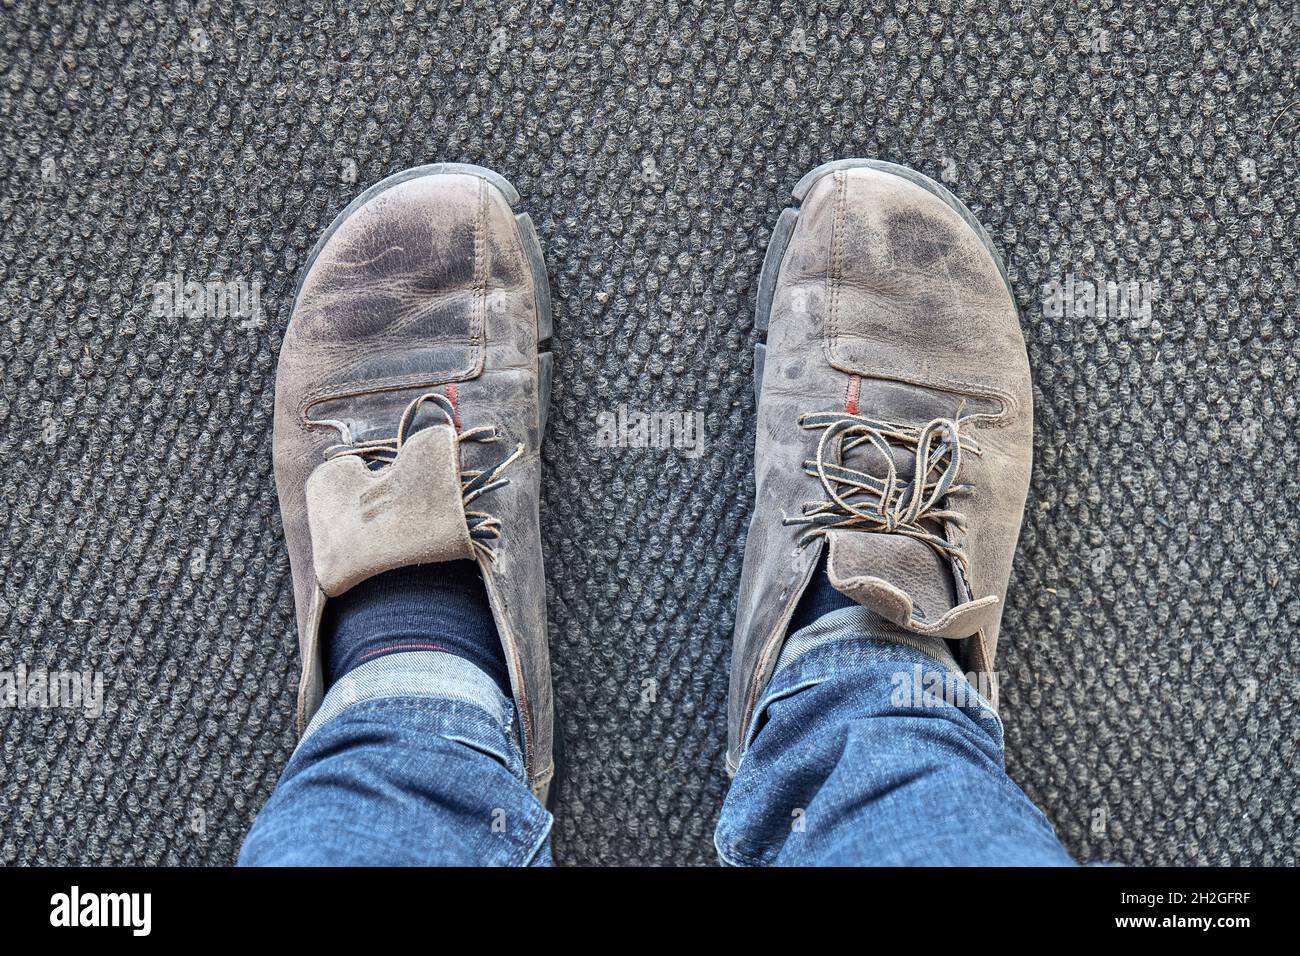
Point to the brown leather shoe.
(410, 404)
(893, 348)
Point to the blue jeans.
(412, 760)
(867, 751)
(863, 751)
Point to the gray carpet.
(1150, 660)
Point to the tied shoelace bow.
(484, 529)
(855, 499)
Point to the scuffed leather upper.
(424, 287)
(888, 302)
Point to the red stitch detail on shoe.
(452, 395)
(402, 647)
(851, 395)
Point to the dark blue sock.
(819, 599)
(423, 607)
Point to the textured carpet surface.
(1150, 660)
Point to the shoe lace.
(484, 528)
(858, 500)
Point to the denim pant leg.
(412, 760)
(868, 752)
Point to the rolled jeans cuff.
(430, 675)
(916, 679)
(413, 759)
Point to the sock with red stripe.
(442, 607)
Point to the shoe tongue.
(896, 576)
(908, 566)
(906, 582)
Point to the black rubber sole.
(527, 235)
(557, 762)
(784, 229)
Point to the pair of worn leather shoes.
(893, 429)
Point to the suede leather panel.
(365, 522)
(860, 565)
